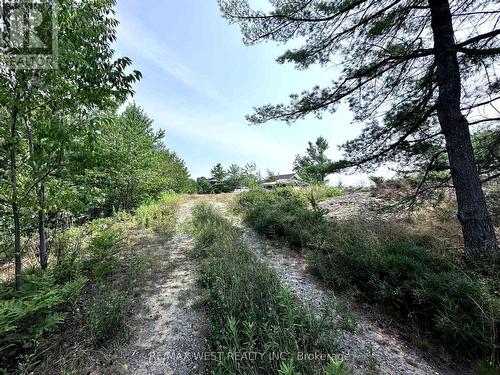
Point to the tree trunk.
(15, 203)
(17, 244)
(44, 256)
(479, 234)
(40, 192)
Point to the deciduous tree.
(88, 77)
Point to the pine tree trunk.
(477, 227)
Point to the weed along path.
(167, 332)
(368, 347)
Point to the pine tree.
(218, 179)
(315, 166)
(416, 73)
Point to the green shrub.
(98, 224)
(68, 267)
(410, 279)
(336, 367)
(322, 192)
(68, 251)
(38, 308)
(249, 309)
(104, 242)
(103, 249)
(209, 228)
(121, 216)
(282, 212)
(29, 317)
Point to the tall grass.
(250, 311)
(319, 193)
(161, 216)
(389, 264)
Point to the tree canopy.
(64, 149)
(226, 181)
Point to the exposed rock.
(352, 205)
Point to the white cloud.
(223, 134)
(134, 36)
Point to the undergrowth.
(250, 311)
(86, 292)
(319, 193)
(390, 264)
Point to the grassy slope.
(393, 265)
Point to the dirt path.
(167, 332)
(371, 348)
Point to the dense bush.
(249, 309)
(103, 250)
(321, 192)
(390, 264)
(85, 255)
(69, 262)
(282, 212)
(396, 272)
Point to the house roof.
(285, 177)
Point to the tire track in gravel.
(371, 348)
(167, 332)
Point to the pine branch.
(478, 38)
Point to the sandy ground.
(168, 334)
(375, 345)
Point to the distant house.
(285, 180)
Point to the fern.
(26, 318)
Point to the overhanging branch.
(478, 38)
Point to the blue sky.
(200, 81)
